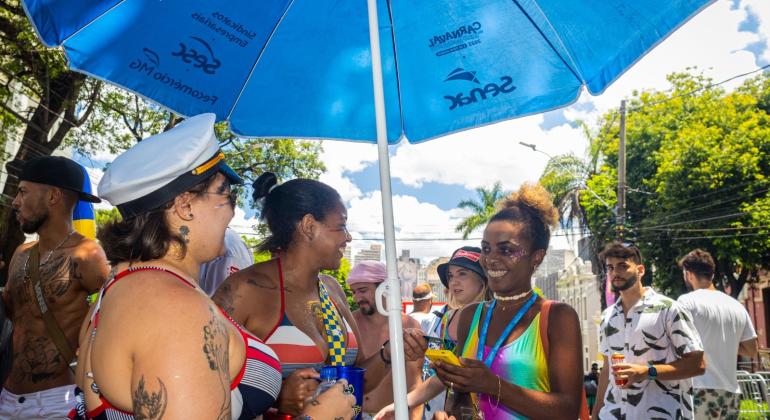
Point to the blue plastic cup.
(355, 377)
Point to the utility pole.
(620, 217)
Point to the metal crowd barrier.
(754, 387)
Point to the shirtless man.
(363, 280)
(40, 384)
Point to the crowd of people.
(184, 327)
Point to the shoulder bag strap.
(52, 327)
(545, 309)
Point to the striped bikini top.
(295, 349)
(252, 392)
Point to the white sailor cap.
(161, 167)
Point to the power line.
(710, 85)
(717, 202)
(711, 229)
(725, 216)
(718, 236)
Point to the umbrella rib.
(92, 21)
(550, 44)
(259, 57)
(402, 130)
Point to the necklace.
(512, 298)
(47, 257)
(501, 339)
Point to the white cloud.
(342, 158)
(761, 9)
(241, 224)
(482, 156)
(95, 175)
(413, 219)
(479, 157)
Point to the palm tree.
(483, 210)
(564, 178)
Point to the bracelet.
(497, 397)
(382, 352)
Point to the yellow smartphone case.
(445, 356)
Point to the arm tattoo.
(263, 284)
(224, 297)
(149, 405)
(215, 348)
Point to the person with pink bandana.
(363, 280)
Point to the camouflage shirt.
(657, 330)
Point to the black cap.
(59, 172)
(466, 257)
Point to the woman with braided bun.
(520, 354)
(300, 313)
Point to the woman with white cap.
(466, 284)
(287, 302)
(155, 346)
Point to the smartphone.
(444, 356)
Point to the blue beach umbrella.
(333, 69)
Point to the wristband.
(382, 352)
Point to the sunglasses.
(232, 196)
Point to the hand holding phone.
(444, 356)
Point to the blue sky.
(728, 38)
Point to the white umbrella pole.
(394, 293)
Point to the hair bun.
(535, 197)
(263, 185)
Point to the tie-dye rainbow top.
(522, 362)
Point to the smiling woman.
(302, 314)
(508, 365)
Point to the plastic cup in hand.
(355, 377)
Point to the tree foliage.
(41, 101)
(102, 217)
(340, 274)
(698, 160)
(483, 210)
(44, 105)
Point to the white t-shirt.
(426, 320)
(237, 257)
(723, 324)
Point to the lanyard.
(335, 337)
(504, 335)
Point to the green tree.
(41, 101)
(341, 274)
(45, 105)
(102, 217)
(564, 179)
(483, 209)
(126, 119)
(698, 159)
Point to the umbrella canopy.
(302, 69)
(333, 69)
